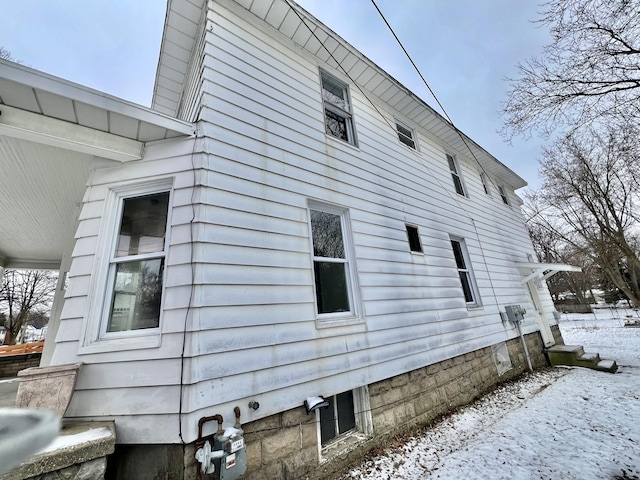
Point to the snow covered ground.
(566, 423)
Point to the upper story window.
(332, 269)
(455, 174)
(414, 239)
(503, 195)
(406, 135)
(463, 265)
(137, 264)
(485, 182)
(338, 116)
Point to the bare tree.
(589, 199)
(589, 73)
(6, 54)
(22, 293)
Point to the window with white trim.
(332, 269)
(346, 419)
(485, 182)
(503, 195)
(463, 264)
(414, 239)
(136, 266)
(406, 134)
(338, 116)
(126, 288)
(454, 168)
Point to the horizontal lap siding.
(254, 332)
(125, 384)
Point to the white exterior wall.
(251, 331)
(139, 388)
(255, 335)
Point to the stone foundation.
(285, 446)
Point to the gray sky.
(464, 49)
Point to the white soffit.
(545, 270)
(30, 90)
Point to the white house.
(286, 221)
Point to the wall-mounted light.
(314, 403)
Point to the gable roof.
(184, 22)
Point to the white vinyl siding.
(242, 239)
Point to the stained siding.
(247, 327)
(254, 303)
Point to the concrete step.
(575, 355)
(607, 366)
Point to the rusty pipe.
(204, 420)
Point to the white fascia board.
(31, 265)
(37, 128)
(532, 270)
(74, 91)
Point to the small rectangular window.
(338, 418)
(331, 262)
(337, 109)
(137, 264)
(414, 239)
(464, 271)
(485, 182)
(503, 194)
(347, 416)
(405, 135)
(455, 175)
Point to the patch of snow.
(568, 422)
(66, 441)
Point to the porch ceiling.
(53, 134)
(543, 270)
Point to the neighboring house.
(286, 221)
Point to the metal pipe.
(204, 420)
(524, 346)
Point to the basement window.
(345, 423)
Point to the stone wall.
(12, 364)
(285, 446)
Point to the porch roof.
(545, 270)
(53, 133)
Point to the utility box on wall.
(515, 313)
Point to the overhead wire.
(385, 119)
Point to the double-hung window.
(455, 174)
(464, 271)
(503, 195)
(136, 265)
(332, 267)
(406, 135)
(485, 182)
(338, 116)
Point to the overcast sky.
(464, 49)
